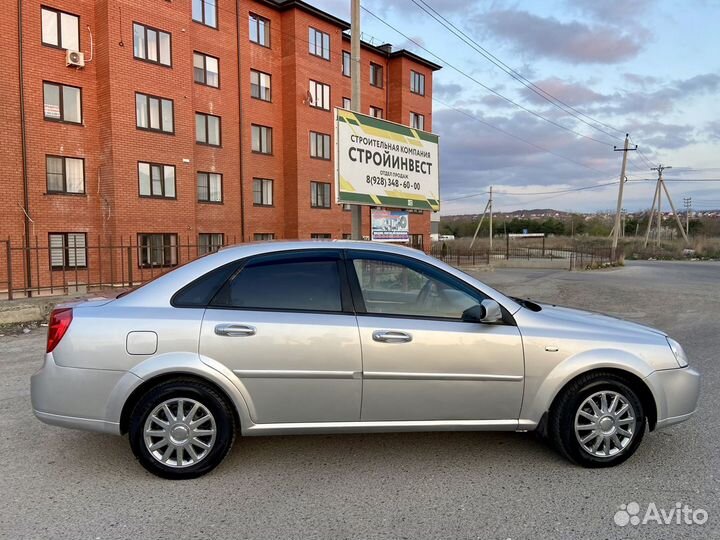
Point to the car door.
(421, 361)
(284, 325)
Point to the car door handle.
(391, 336)
(235, 330)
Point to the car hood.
(599, 321)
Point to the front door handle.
(391, 336)
(235, 330)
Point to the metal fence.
(37, 269)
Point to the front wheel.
(598, 421)
(181, 429)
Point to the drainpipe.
(240, 121)
(23, 139)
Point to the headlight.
(678, 351)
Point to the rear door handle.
(391, 336)
(235, 330)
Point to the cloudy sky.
(648, 67)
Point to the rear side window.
(293, 283)
(201, 291)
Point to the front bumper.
(676, 394)
(79, 398)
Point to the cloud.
(573, 42)
(447, 91)
(610, 12)
(570, 93)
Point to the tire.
(181, 446)
(597, 424)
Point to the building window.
(209, 187)
(319, 43)
(417, 121)
(319, 195)
(262, 192)
(347, 103)
(151, 45)
(259, 30)
(65, 174)
(156, 180)
(261, 139)
(207, 129)
(60, 29)
(205, 12)
(416, 241)
(261, 237)
(346, 207)
(319, 95)
(260, 85)
(376, 112)
(347, 236)
(206, 69)
(62, 103)
(210, 242)
(376, 75)
(346, 66)
(154, 113)
(68, 250)
(320, 236)
(417, 83)
(319, 145)
(157, 250)
(415, 211)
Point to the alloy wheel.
(605, 424)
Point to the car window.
(395, 288)
(201, 291)
(290, 283)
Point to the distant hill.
(521, 214)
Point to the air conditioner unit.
(75, 59)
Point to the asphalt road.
(58, 483)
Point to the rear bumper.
(676, 394)
(78, 398)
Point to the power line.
(547, 96)
(495, 92)
(516, 194)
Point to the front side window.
(320, 195)
(60, 29)
(319, 145)
(301, 282)
(377, 112)
(205, 12)
(261, 139)
(319, 43)
(157, 249)
(417, 121)
(151, 45)
(65, 174)
(154, 113)
(260, 85)
(259, 30)
(206, 69)
(210, 242)
(319, 95)
(207, 129)
(209, 187)
(156, 180)
(347, 63)
(68, 250)
(262, 192)
(376, 75)
(396, 287)
(62, 103)
(417, 83)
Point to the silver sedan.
(328, 337)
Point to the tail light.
(60, 320)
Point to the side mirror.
(487, 311)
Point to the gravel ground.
(59, 483)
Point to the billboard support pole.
(356, 209)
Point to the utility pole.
(482, 218)
(490, 202)
(660, 187)
(355, 209)
(616, 228)
(687, 201)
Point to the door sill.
(299, 428)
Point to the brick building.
(191, 122)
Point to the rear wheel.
(597, 421)
(181, 429)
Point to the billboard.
(381, 163)
(389, 225)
